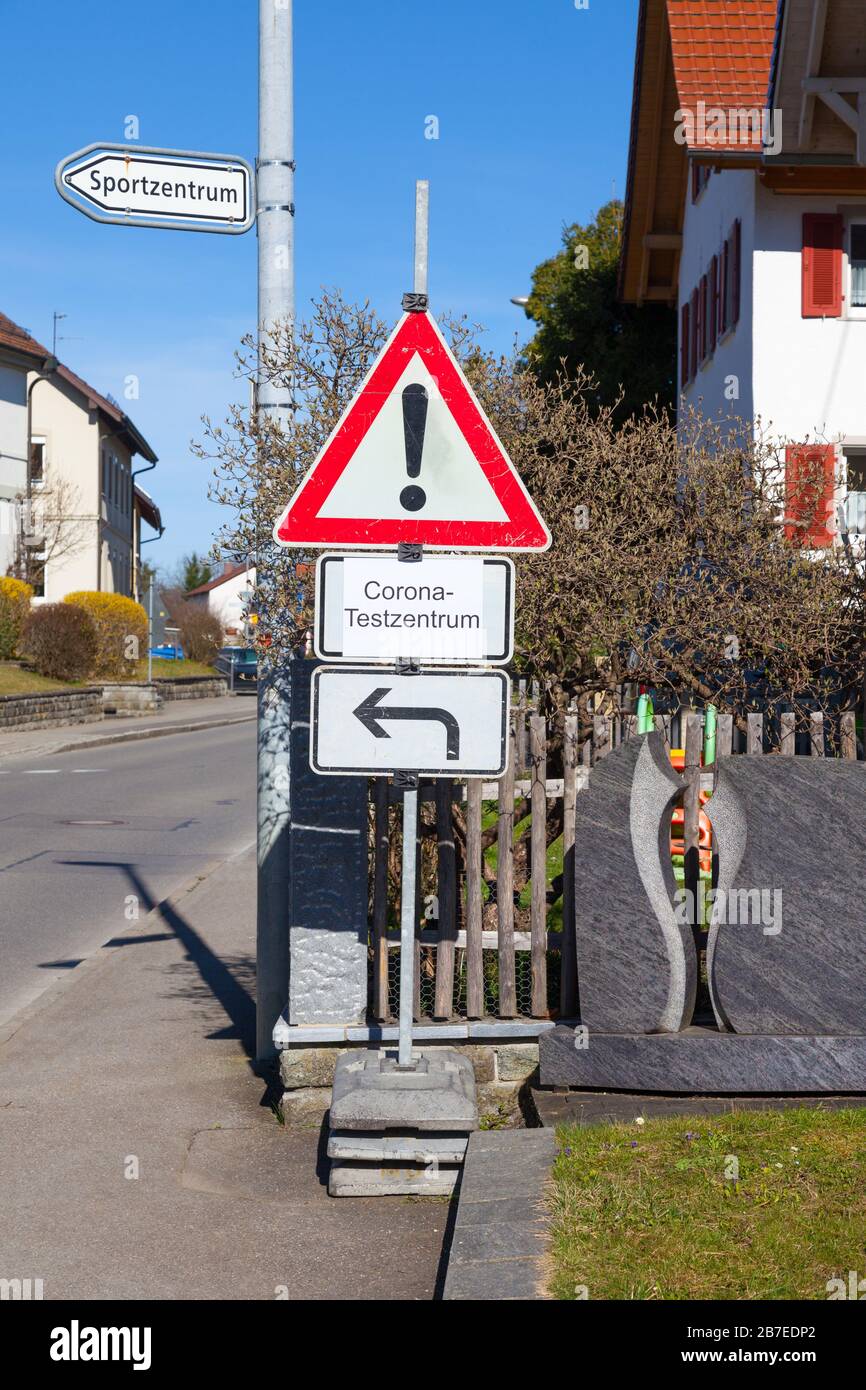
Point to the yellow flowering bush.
(15, 598)
(121, 629)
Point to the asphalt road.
(92, 837)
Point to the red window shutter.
(810, 486)
(736, 270)
(694, 315)
(724, 297)
(696, 186)
(705, 328)
(822, 265)
(714, 302)
(685, 345)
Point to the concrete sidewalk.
(139, 1155)
(177, 716)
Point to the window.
(104, 474)
(736, 270)
(36, 572)
(37, 461)
(704, 304)
(694, 314)
(857, 264)
(822, 265)
(700, 179)
(724, 290)
(855, 486)
(685, 342)
(714, 303)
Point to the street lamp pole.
(276, 305)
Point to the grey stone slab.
(499, 1240)
(328, 973)
(328, 883)
(370, 1094)
(489, 1280)
(705, 1060)
(398, 1148)
(604, 1107)
(508, 1169)
(637, 964)
(791, 837)
(498, 1244)
(491, 1210)
(397, 1180)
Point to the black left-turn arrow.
(370, 712)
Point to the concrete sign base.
(400, 1131)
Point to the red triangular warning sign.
(414, 458)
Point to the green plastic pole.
(645, 714)
(710, 735)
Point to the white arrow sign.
(445, 609)
(443, 723)
(138, 185)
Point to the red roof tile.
(231, 572)
(19, 339)
(722, 51)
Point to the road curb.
(127, 736)
(106, 953)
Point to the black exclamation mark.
(415, 402)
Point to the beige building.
(82, 506)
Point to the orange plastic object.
(705, 829)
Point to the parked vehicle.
(240, 665)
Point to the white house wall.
(13, 455)
(810, 373)
(727, 196)
(229, 601)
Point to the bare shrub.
(60, 640)
(201, 632)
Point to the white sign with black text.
(371, 723)
(450, 608)
(132, 184)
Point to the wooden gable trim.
(657, 171)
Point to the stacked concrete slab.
(400, 1131)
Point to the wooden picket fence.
(501, 943)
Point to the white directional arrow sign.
(371, 723)
(138, 185)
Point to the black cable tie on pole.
(415, 303)
(410, 552)
(406, 781)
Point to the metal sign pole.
(276, 294)
(407, 925)
(150, 633)
(410, 794)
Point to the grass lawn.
(168, 670)
(750, 1205)
(14, 680)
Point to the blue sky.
(533, 100)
